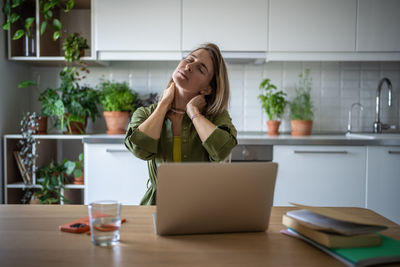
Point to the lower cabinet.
(383, 181)
(320, 175)
(114, 173)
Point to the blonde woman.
(190, 122)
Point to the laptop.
(196, 198)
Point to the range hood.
(240, 57)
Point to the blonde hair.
(218, 100)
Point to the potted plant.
(74, 47)
(49, 101)
(301, 107)
(274, 104)
(52, 180)
(75, 168)
(117, 101)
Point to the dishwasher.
(254, 153)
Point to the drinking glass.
(105, 222)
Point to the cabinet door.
(136, 25)
(312, 25)
(383, 181)
(320, 175)
(112, 172)
(233, 25)
(378, 25)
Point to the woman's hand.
(168, 96)
(196, 105)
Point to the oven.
(255, 153)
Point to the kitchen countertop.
(261, 138)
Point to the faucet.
(378, 126)
(350, 110)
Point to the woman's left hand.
(196, 105)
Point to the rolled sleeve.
(223, 139)
(139, 143)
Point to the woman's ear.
(206, 91)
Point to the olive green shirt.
(217, 147)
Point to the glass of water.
(105, 222)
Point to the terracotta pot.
(301, 127)
(273, 127)
(77, 127)
(116, 121)
(42, 129)
(79, 180)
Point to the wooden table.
(29, 236)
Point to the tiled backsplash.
(335, 86)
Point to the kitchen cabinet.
(320, 175)
(312, 26)
(113, 172)
(383, 181)
(378, 26)
(48, 148)
(79, 19)
(232, 25)
(135, 29)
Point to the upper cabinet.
(232, 25)
(378, 26)
(136, 29)
(312, 25)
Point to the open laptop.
(194, 198)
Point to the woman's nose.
(188, 67)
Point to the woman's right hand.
(168, 96)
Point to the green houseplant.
(274, 103)
(74, 47)
(75, 168)
(301, 106)
(117, 101)
(52, 180)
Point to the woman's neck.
(181, 99)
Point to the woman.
(190, 122)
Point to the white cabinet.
(383, 181)
(312, 25)
(232, 25)
(378, 26)
(320, 175)
(126, 27)
(112, 172)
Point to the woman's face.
(194, 73)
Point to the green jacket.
(216, 148)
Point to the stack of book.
(349, 238)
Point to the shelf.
(22, 185)
(50, 136)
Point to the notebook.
(387, 252)
(194, 198)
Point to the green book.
(387, 252)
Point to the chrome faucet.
(350, 110)
(378, 126)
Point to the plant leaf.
(81, 157)
(28, 22)
(56, 35)
(77, 173)
(7, 7)
(16, 3)
(26, 84)
(43, 27)
(48, 14)
(57, 24)
(70, 5)
(18, 34)
(6, 26)
(14, 17)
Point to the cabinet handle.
(320, 152)
(109, 150)
(393, 152)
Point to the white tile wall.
(336, 85)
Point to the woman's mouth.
(182, 74)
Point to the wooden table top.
(29, 236)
